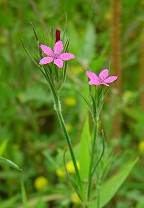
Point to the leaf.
(9, 162)
(137, 115)
(85, 99)
(3, 146)
(74, 185)
(84, 156)
(23, 195)
(9, 202)
(50, 197)
(33, 60)
(101, 155)
(111, 186)
(50, 159)
(36, 36)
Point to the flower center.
(102, 79)
(55, 56)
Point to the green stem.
(57, 107)
(50, 83)
(91, 161)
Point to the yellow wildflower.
(141, 146)
(69, 127)
(127, 96)
(108, 16)
(76, 69)
(2, 40)
(20, 97)
(70, 166)
(15, 147)
(75, 199)
(60, 172)
(40, 183)
(70, 101)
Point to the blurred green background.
(30, 134)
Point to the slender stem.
(91, 162)
(57, 108)
(50, 83)
(93, 144)
(102, 153)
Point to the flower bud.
(57, 35)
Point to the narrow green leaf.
(9, 162)
(64, 72)
(30, 55)
(23, 195)
(94, 106)
(74, 185)
(36, 36)
(27, 52)
(3, 146)
(102, 153)
(9, 202)
(85, 99)
(50, 159)
(66, 45)
(111, 186)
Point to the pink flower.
(102, 79)
(56, 56)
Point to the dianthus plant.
(53, 65)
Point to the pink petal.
(92, 75)
(45, 60)
(103, 74)
(47, 50)
(94, 82)
(58, 62)
(67, 56)
(58, 47)
(103, 83)
(110, 79)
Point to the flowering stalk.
(57, 107)
(95, 120)
(55, 75)
(103, 79)
(97, 103)
(91, 162)
(57, 57)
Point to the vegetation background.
(103, 34)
